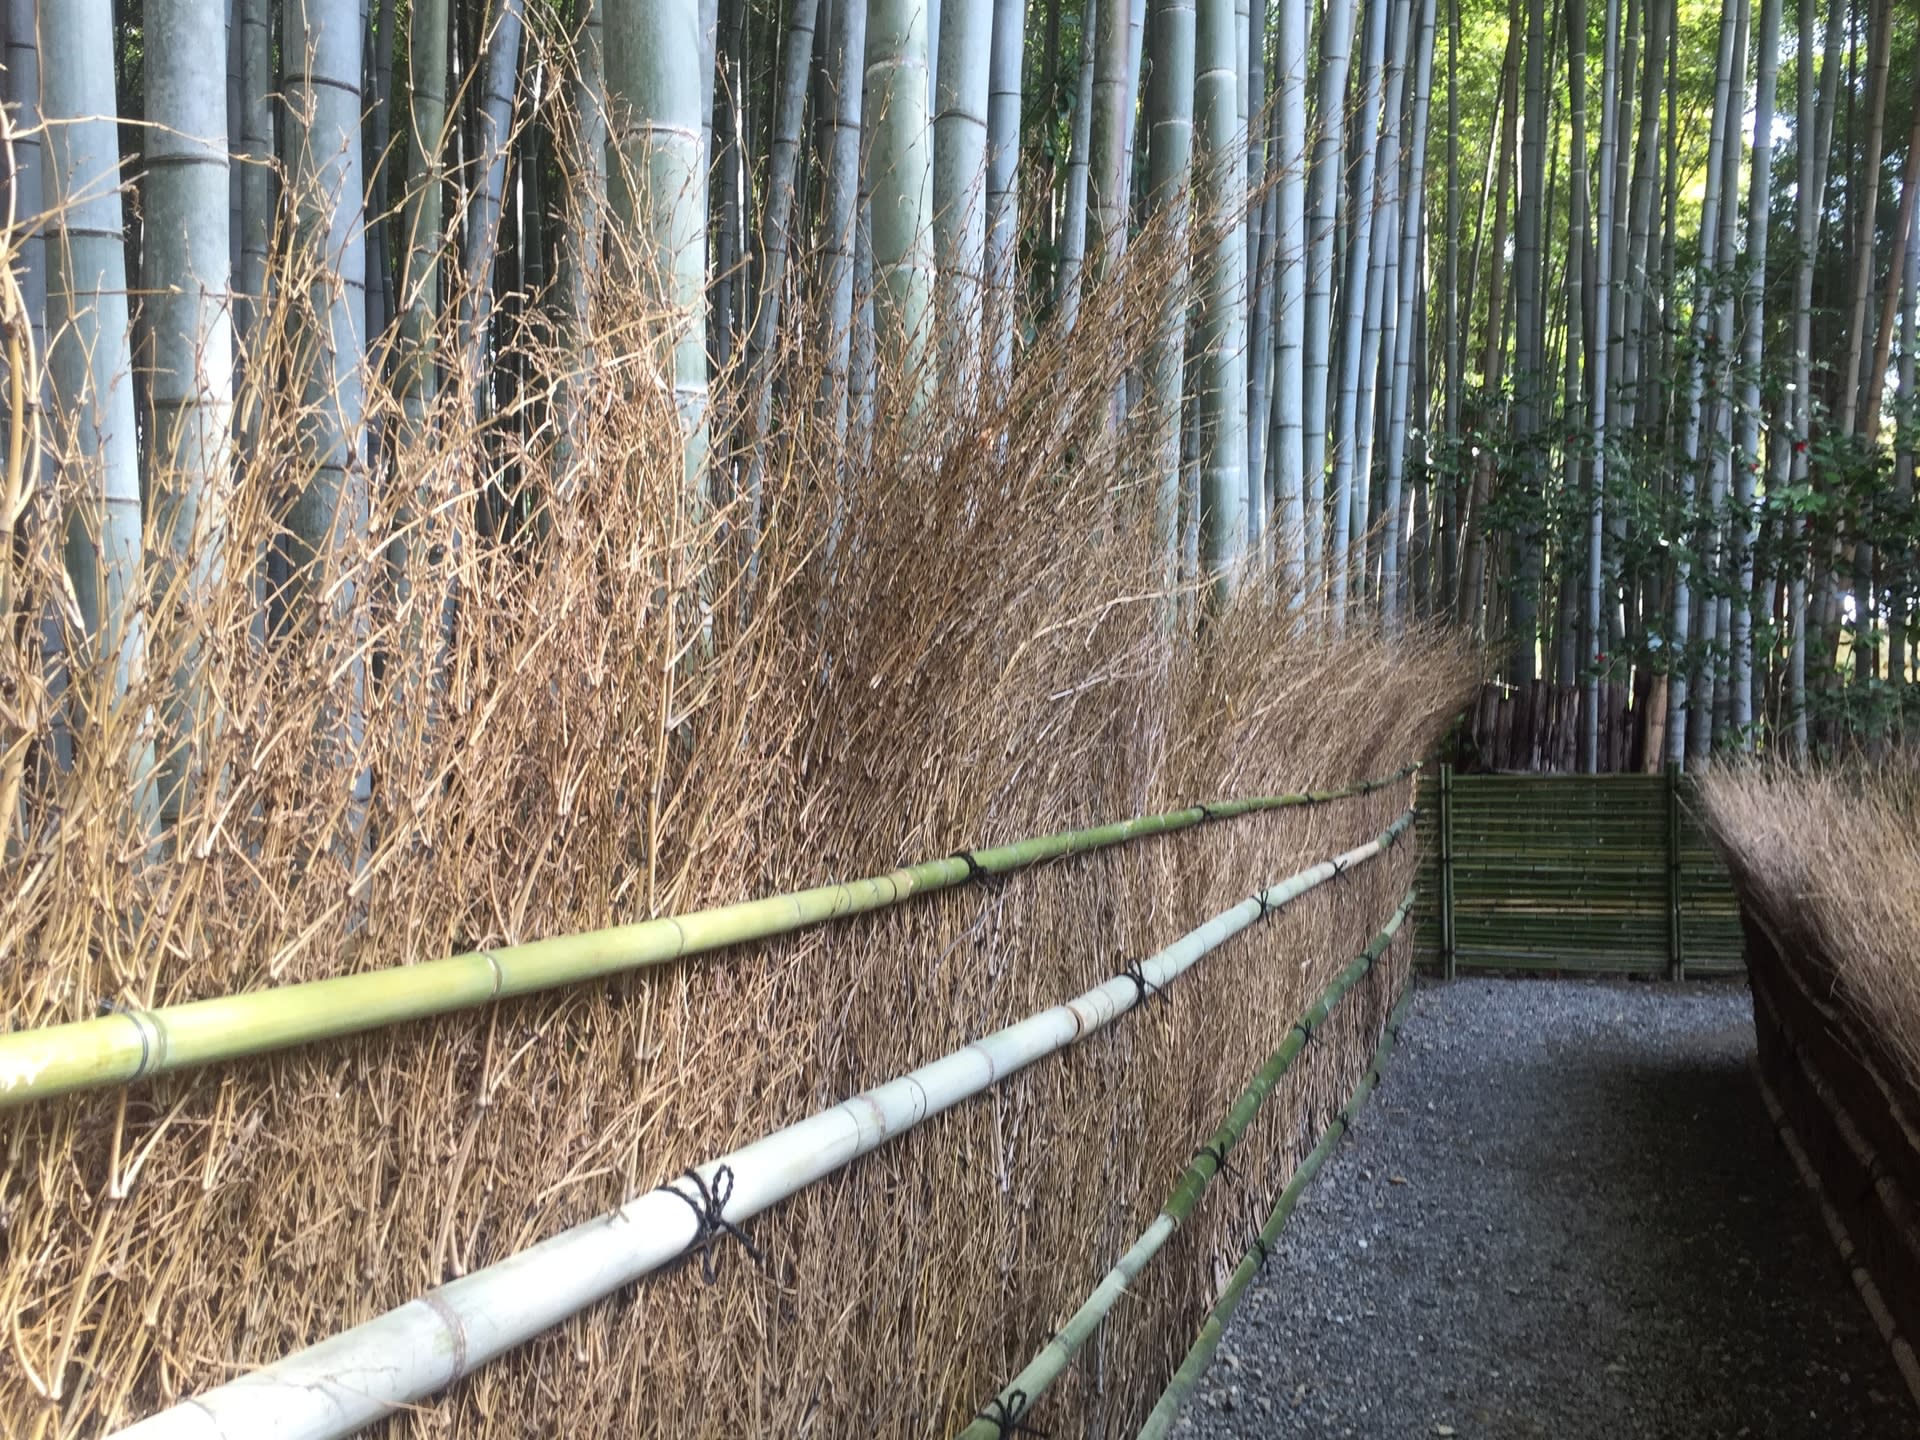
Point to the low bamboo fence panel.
(1602, 873)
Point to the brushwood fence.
(1601, 873)
(1851, 1123)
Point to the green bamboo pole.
(1022, 1392)
(1676, 961)
(1449, 950)
(128, 1045)
(1195, 1365)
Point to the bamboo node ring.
(499, 975)
(153, 1040)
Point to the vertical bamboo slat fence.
(1600, 873)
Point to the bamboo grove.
(1616, 369)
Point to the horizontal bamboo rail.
(365, 1374)
(1187, 1377)
(129, 1044)
(1018, 1398)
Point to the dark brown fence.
(1605, 873)
(1851, 1121)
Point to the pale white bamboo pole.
(1003, 193)
(962, 90)
(1412, 236)
(1710, 680)
(1382, 293)
(1679, 709)
(899, 177)
(186, 265)
(1069, 278)
(1323, 203)
(1111, 124)
(839, 143)
(1596, 500)
(1289, 392)
(776, 238)
(1169, 173)
(1220, 359)
(1354, 310)
(364, 1374)
(658, 60)
(1746, 456)
(501, 79)
(1815, 118)
(89, 357)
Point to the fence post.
(1448, 964)
(1676, 960)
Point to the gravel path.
(1564, 1214)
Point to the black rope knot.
(1207, 812)
(712, 1225)
(1218, 1155)
(1258, 1242)
(1006, 1416)
(1876, 1172)
(1340, 868)
(1267, 907)
(1306, 1033)
(1145, 988)
(978, 873)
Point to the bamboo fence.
(1595, 873)
(127, 1044)
(1194, 1366)
(362, 1375)
(1020, 1394)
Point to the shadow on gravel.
(1565, 1214)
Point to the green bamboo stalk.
(128, 1045)
(1181, 1387)
(1024, 1390)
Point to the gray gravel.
(1564, 1214)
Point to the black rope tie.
(974, 872)
(1340, 868)
(1207, 812)
(1306, 1033)
(709, 1218)
(1006, 1416)
(1876, 1172)
(1218, 1155)
(978, 873)
(1267, 907)
(1259, 1243)
(1146, 989)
